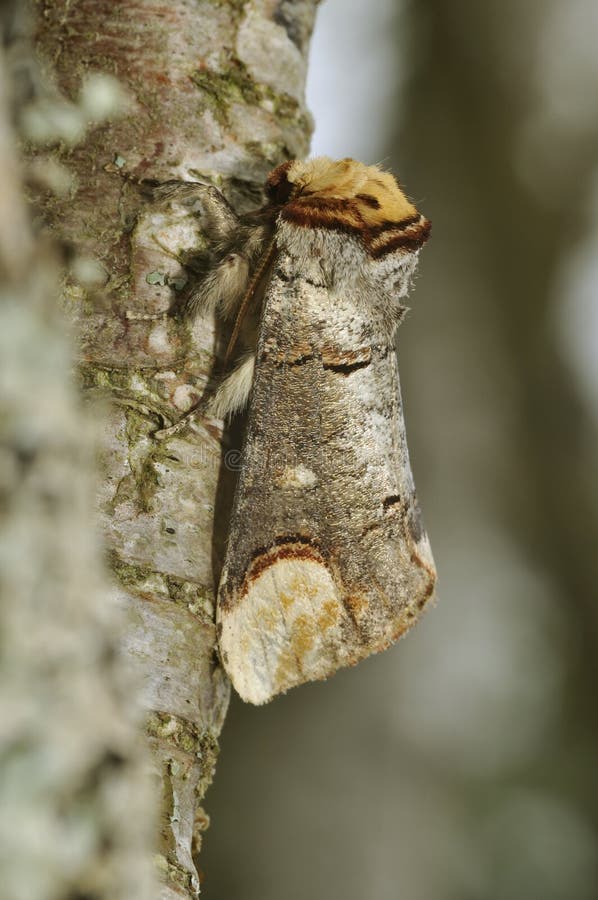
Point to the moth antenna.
(265, 261)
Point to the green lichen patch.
(148, 480)
(236, 86)
(184, 735)
(208, 756)
(143, 580)
(139, 389)
(179, 876)
(177, 282)
(156, 278)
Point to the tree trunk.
(215, 93)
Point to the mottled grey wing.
(327, 559)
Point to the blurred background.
(462, 762)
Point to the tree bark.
(215, 93)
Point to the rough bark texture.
(215, 93)
(76, 805)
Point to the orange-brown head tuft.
(346, 195)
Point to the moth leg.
(222, 288)
(222, 220)
(233, 393)
(194, 414)
(230, 397)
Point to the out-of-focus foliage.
(460, 764)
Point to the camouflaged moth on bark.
(327, 558)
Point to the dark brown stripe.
(343, 215)
(306, 217)
(375, 230)
(412, 239)
(282, 548)
(347, 368)
(373, 202)
(409, 246)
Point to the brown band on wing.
(297, 354)
(331, 357)
(287, 547)
(346, 361)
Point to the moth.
(327, 558)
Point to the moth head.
(348, 196)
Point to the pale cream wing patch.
(293, 606)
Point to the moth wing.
(327, 560)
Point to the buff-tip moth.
(327, 558)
